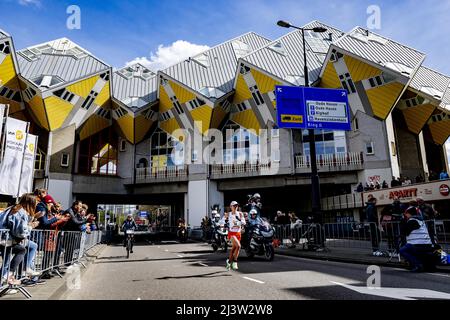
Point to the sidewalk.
(54, 288)
(349, 255)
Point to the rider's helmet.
(217, 217)
(256, 196)
(129, 216)
(253, 213)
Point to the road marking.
(179, 255)
(254, 280)
(397, 293)
(202, 264)
(166, 250)
(438, 274)
(138, 298)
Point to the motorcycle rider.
(235, 220)
(129, 224)
(254, 202)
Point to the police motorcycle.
(220, 233)
(258, 237)
(182, 232)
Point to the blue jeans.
(31, 254)
(414, 254)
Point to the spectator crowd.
(37, 224)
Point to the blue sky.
(160, 32)
(117, 31)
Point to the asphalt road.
(192, 271)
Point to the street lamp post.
(315, 186)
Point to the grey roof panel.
(288, 62)
(381, 50)
(129, 83)
(61, 58)
(221, 68)
(428, 78)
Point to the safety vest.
(419, 236)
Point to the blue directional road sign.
(290, 107)
(326, 109)
(312, 108)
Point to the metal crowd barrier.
(304, 236)
(44, 251)
(387, 237)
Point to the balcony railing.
(170, 173)
(330, 161)
(241, 168)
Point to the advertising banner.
(11, 165)
(26, 179)
(432, 191)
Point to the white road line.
(202, 264)
(179, 255)
(254, 280)
(439, 274)
(166, 250)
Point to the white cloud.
(36, 3)
(168, 55)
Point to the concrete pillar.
(197, 202)
(392, 141)
(423, 154)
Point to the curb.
(341, 259)
(89, 258)
(440, 268)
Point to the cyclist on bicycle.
(129, 224)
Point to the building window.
(275, 133)
(257, 95)
(369, 148)
(276, 155)
(98, 154)
(123, 145)
(226, 105)
(244, 69)
(89, 100)
(394, 149)
(65, 160)
(241, 106)
(355, 124)
(327, 141)
(347, 83)
(239, 144)
(162, 148)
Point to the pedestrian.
(19, 220)
(418, 242)
(235, 221)
(429, 215)
(360, 187)
(384, 185)
(373, 220)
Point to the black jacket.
(75, 222)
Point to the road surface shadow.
(132, 260)
(205, 275)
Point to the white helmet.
(214, 212)
(253, 211)
(217, 215)
(256, 195)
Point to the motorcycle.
(219, 241)
(182, 234)
(259, 240)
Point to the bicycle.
(129, 246)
